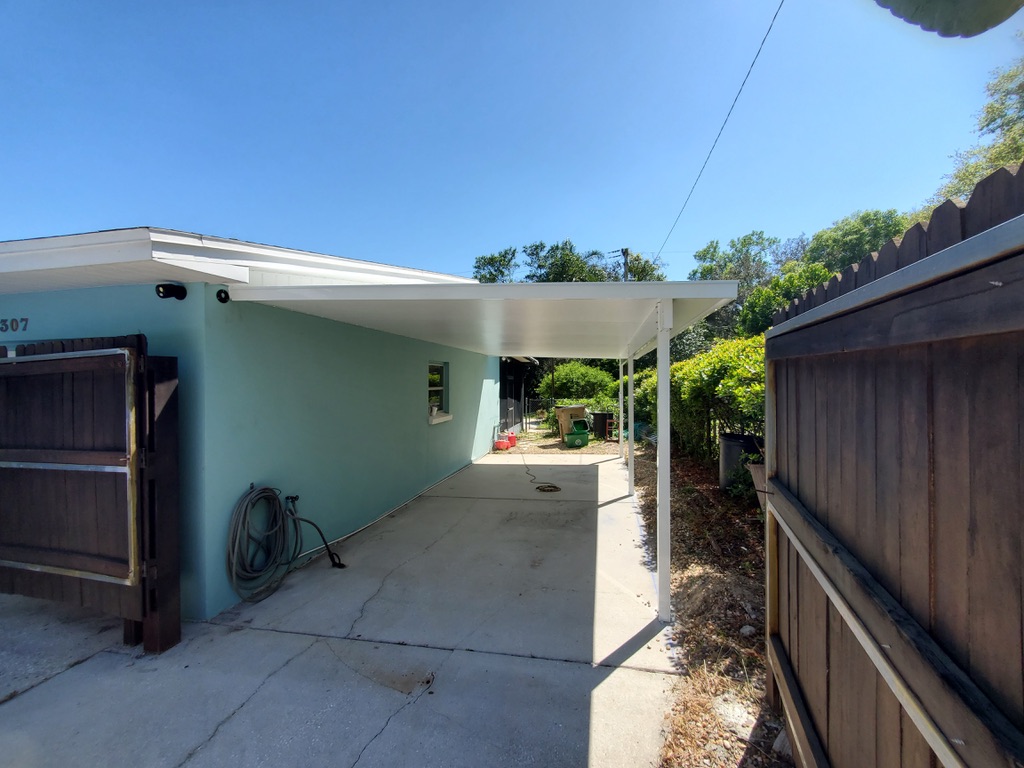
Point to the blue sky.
(426, 134)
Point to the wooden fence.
(895, 463)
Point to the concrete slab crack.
(399, 711)
(389, 574)
(236, 710)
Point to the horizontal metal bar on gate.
(122, 352)
(960, 724)
(131, 581)
(65, 467)
(994, 244)
(64, 456)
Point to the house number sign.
(13, 324)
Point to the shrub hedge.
(721, 390)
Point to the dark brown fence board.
(785, 607)
(843, 517)
(913, 246)
(887, 502)
(806, 433)
(946, 226)
(792, 423)
(840, 702)
(952, 502)
(995, 566)
(813, 666)
(782, 421)
(887, 723)
(996, 198)
(821, 441)
(913, 484)
(888, 259)
(835, 441)
(807, 747)
(914, 750)
(863, 458)
(793, 584)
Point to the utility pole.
(625, 264)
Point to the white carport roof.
(608, 320)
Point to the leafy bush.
(721, 390)
(645, 397)
(576, 380)
(644, 393)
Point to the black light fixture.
(223, 296)
(171, 291)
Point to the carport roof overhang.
(606, 320)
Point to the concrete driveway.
(486, 623)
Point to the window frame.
(444, 390)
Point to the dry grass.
(719, 717)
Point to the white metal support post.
(621, 413)
(632, 432)
(664, 463)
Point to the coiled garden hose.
(264, 547)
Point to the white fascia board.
(69, 251)
(287, 260)
(720, 291)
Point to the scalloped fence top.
(997, 198)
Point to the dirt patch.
(719, 717)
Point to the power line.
(724, 122)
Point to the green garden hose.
(264, 546)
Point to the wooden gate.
(88, 481)
(895, 537)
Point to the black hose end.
(335, 560)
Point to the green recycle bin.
(579, 435)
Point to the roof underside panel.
(553, 320)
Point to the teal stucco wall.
(173, 328)
(334, 413)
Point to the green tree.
(764, 301)
(496, 267)
(639, 269)
(563, 263)
(748, 259)
(1001, 129)
(852, 238)
(573, 379)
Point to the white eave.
(146, 255)
(607, 320)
